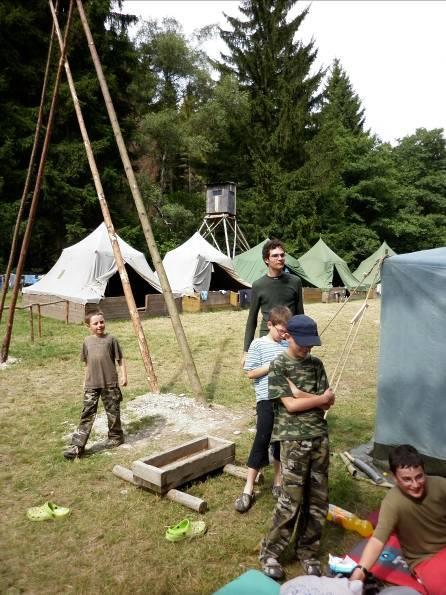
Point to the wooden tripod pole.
(145, 223)
(15, 237)
(35, 199)
(139, 332)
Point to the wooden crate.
(191, 303)
(312, 295)
(234, 299)
(176, 466)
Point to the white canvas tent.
(86, 273)
(197, 266)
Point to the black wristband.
(364, 570)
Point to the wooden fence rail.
(39, 315)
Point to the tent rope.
(355, 324)
(355, 290)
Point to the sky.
(394, 51)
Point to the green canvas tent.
(411, 403)
(373, 273)
(321, 265)
(250, 265)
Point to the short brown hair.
(279, 315)
(271, 245)
(404, 456)
(90, 315)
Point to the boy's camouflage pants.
(304, 499)
(111, 398)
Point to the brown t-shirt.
(100, 355)
(419, 524)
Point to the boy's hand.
(124, 381)
(328, 399)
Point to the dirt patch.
(9, 362)
(165, 417)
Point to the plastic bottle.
(349, 521)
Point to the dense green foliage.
(293, 138)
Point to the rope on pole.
(139, 332)
(142, 213)
(35, 199)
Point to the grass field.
(113, 542)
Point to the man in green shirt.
(415, 509)
(276, 288)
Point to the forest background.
(291, 136)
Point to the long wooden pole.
(18, 222)
(145, 222)
(139, 332)
(35, 199)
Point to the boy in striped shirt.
(261, 352)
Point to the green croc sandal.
(46, 512)
(179, 531)
(196, 529)
(40, 513)
(186, 529)
(58, 511)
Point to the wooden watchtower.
(220, 221)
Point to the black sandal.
(272, 569)
(244, 502)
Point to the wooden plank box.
(171, 468)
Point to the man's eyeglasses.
(281, 255)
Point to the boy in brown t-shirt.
(100, 351)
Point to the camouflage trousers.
(111, 399)
(303, 504)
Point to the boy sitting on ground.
(261, 352)
(99, 352)
(301, 428)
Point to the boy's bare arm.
(258, 372)
(299, 394)
(123, 369)
(297, 405)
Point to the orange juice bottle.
(349, 521)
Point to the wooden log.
(187, 500)
(242, 473)
(175, 495)
(124, 473)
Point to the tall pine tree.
(275, 68)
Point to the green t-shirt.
(419, 524)
(267, 293)
(309, 375)
(100, 355)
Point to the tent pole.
(139, 332)
(15, 236)
(145, 223)
(35, 199)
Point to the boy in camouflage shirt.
(299, 387)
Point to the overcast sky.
(393, 51)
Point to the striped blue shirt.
(262, 351)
